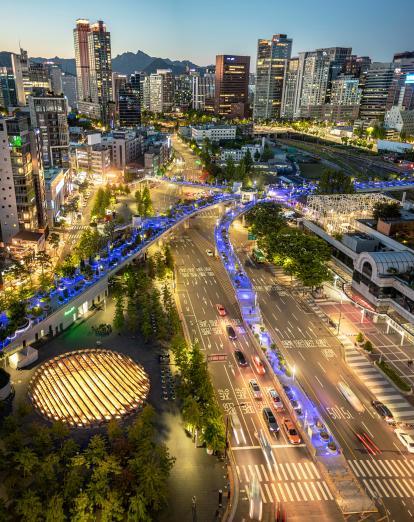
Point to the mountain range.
(125, 63)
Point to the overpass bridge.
(74, 296)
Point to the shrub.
(360, 337)
(368, 346)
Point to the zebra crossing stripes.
(286, 482)
(382, 468)
(386, 478)
(402, 410)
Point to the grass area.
(393, 375)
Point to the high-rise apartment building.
(80, 36)
(232, 85)
(345, 98)
(183, 92)
(100, 68)
(155, 93)
(375, 92)
(55, 78)
(161, 91)
(356, 66)
(290, 89)
(272, 56)
(9, 222)
(49, 114)
(401, 92)
(313, 83)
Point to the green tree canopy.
(265, 218)
(335, 182)
(386, 210)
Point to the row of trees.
(140, 306)
(200, 409)
(335, 182)
(120, 475)
(106, 198)
(144, 202)
(301, 255)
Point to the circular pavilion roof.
(86, 388)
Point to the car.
(209, 252)
(240, 358)
(230, 332)
(383, 411)
(270, 420)
(258, 365)
(292, 434)
(288, 391)
(276, 400)
(221, 310)
(237, 427)
(406, 439)
(297, 407)
(255, 388)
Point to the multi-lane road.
(317, 355)
(292, 479)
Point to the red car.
(221, 310)
(258, 365)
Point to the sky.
(197, 31)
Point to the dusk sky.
(197, 31)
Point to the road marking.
(319, 381)
(301, 490)
(275, 492)
(282, 492)
(302, 469)
(308, 490)
(264, 472)
(322, 491)
(322, 368)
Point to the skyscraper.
(118, 81)
(272, 56)
(100, 68)
(232, 85)
(375, 92)
(20, 64)
(9, 223)
(203, 89)
(8, 95)
(313, 83)
(129, 106)
(80, 36)
(290, 90)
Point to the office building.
(118, 82)
(212, 132)
(356, 66)
(145, 85)
(232, 85)
(55, 78)
(49, 114)
(129, 106)
(272, 56)
(183, 92)
(203, 90)
(27, 168)
(399, 120)
(345, 98)
(155, 93)
(375, 93)
(401, 91)
(313, 83)
(80, 36)
(20, 65)
(57, 188)
(39, 81)
(290, 89)
(8, 94)
(9, 222)
(100, 68)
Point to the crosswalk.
(402, 410)
(386, 478)
(285, 482)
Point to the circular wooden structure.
(86, 388)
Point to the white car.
(209, 252)
(255, 388)
(406, 439)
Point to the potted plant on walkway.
(332, 447)
(368, 346)
(360, 339)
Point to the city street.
(317, 355)
(293, 479)
(191, 168)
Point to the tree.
(230, 169)
(119, 319)
(137, 511)
(29, 507)
(44, 261)
(96, 450)
(248, 161)
(385, 210)
(81, 511)
(214, 435)
(169, 259)
(148, 209)
(54, 511)
(112, 508)
(54, 240)
(256, 156)
(26, 461)
(139, 203)
(267, 153)
(265, 218)
(335, 182)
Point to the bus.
(258, 256)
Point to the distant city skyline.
(178, 29)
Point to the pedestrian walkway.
(386, 478)
(285, 482)
(381, 388)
